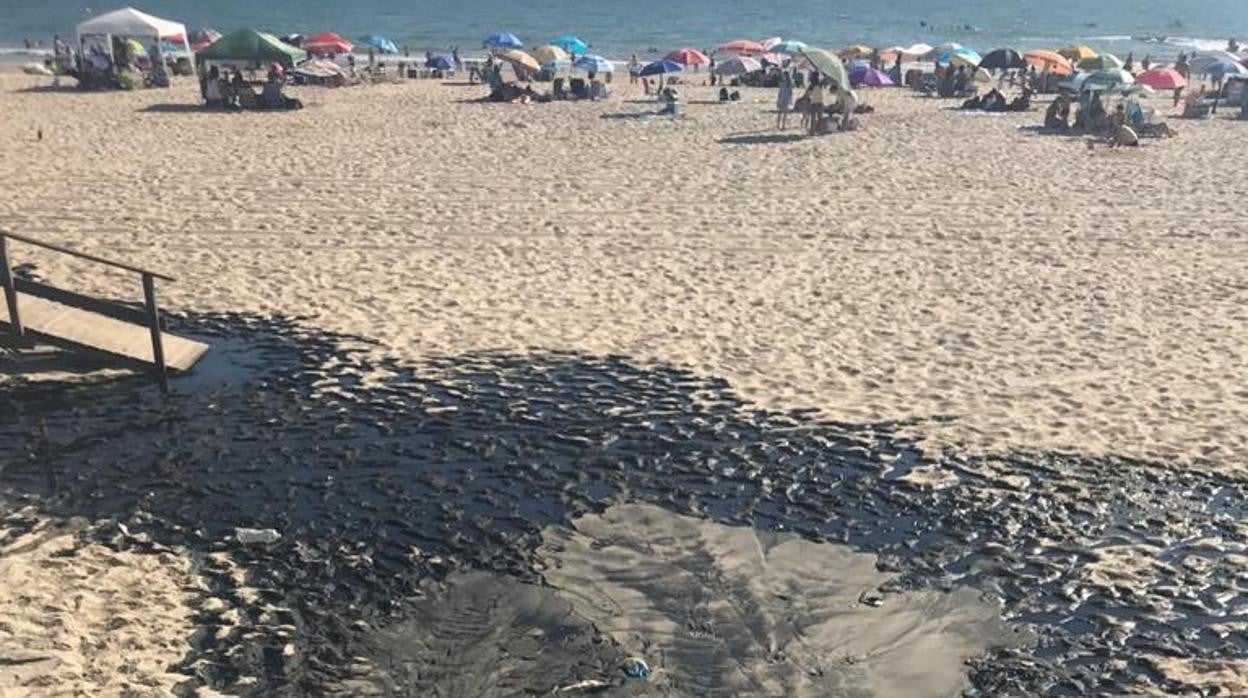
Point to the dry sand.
(995, 289)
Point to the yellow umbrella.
(519, 58)
(857, 51)
(549, 54)
(1077, 53)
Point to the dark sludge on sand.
(384, 477)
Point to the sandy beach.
(976, 291)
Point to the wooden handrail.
(84, 255)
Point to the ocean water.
(648, 26)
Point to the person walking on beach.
(633, 68)
(784, 101)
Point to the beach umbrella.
(738, 65)
(788, 47)
(549, 54)
(203, 34)
(743, 46)
(327, 42)
(688, 56)
(1002, 59)
(594, 64)
(1162, 79)
(441, 63)
(982, 76)
(828, 64)
(503, 40)
(1223, 68)
(770, 43)
(381, 43)
(1105, 61)
(960, 56)
(1052, 61)
(1103, 79)
(1077, 52)
(520, 59)
(870, 77)
(857, 51)
(571, 44)
(251, 46)
(1201, 62)
(935, 52)
(662, 67)
(913, 51)
(292, 39)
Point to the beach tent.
(1162, 79)
(869, 77)
(1002, 59)
(549, 54)
(131, 23)
(738, 65)
(251, 46)
(441, 63)
(571, 44)
(590, 63)
(327, 42)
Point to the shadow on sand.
(379, 485)
(761, 138)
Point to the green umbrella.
(1105, 61)
(828, 64)
(253, 47)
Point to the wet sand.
(941, 351)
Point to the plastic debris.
(636, 668)
(253, 536)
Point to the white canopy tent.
(129, 22)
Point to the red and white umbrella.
(1162, 79)
(743, 47)
(688, 57)
(326, 43)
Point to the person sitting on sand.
(247, 98)
(1057, 116)
(1124, 136)
(1022, 102)
(723, 95)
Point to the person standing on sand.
(817, 92)
(784, 101)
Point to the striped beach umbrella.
(593, 64)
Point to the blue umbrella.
(380, 43)
(594, 64)
(660, 67)
(571, 44)
(441, 63)
(503, 40)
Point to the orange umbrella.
(1048, 60)
(743, 46)
(688, 57)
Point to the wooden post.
(153, 319)
(10, 289)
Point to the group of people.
(825, 107)
(995, 101)
(230, 90)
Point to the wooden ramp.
(82, 330)
(79, 323)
